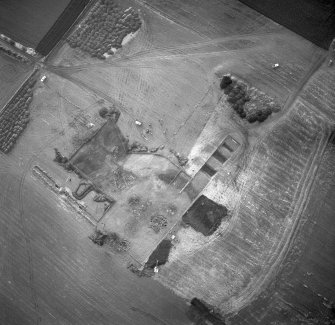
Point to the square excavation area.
(145, 186)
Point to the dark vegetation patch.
(112, 113)
(61, 26)
(205, 215)
(248, 102)
(200, 313)
(14, 117)
(181, 159)
(168, 177)
(66, 164)
(160, 255)
(105, 28)
(110, 239)
(108, 141)
(312, 19)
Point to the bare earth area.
(150, 149)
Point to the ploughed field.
(239, 259)
(304, 288)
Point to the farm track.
(180, 51)
(94, 90)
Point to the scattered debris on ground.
(65, 193)
(181, 159)
(157, 223)
(137, 147)
(110, 239)
(138, 206)
(145, 272)
(248, 102)
(171, 209)
(205, 215)
(201, 313)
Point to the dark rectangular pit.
(208, 170)
(205, 215)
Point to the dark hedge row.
(15, 116)
(248, 102)
(61, 26)
(13, 54)
(105, 28)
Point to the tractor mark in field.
(169, 18)
(254, 39)
(312, 69)
(148, 315)
(90, 89)
(24, 228)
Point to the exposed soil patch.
(160, 255)
(205, 215)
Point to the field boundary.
(62, 25)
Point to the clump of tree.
(13, 54)
(14, 118)
(248, 102)
(104, 29)
(112, 113)
(110, 239)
